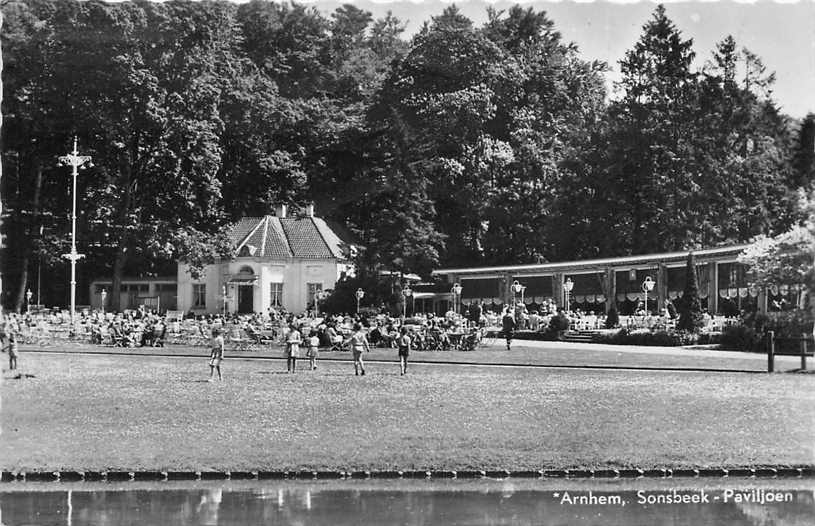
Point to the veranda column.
(610, 289)
(713, 288)
(662, 286)
(557, 289)
(507, 292)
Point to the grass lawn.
(122, 412)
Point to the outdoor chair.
(159, 334)
(239, 341)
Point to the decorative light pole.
(456, 290)
(28, 296)
(517, 288)
(406, 293)
(359, 294)
(74, 160)
(568, 286)
(318, 297)
(647, 286)
(104, 297)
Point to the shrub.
(613, 319)
(740, 338)
(559, 322)
(690, 310)
(645, 338)
(536, 336)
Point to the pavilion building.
(597, 284)
(281, 261)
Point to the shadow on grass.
(20, 376)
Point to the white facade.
(293, 277)
(281, 262)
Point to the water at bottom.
(485, 502)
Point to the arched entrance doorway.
(246, 280)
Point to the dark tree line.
(463, 145)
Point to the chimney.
(309, 210)
(280, 210)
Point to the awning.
(243, 281)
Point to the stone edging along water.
(122, 476)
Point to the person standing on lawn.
(11, 347)
(216, 354)
(359, 343)
(403, 343)
(313, 345)
(293, 341)
(508, 323)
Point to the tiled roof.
(304, 238)
(276, 246)
(282, 238)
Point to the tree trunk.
(35, 216)
(120, 259)
(115, 293)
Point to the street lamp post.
(104, 297)
(74, 160)
(456, 290)
(568, 286)
(517, 288)
(318, 297)
(359, 294)
(647, 286)
(406, 293)
(28, 296)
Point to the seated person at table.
(147, 335)
(389, 337)
(159, 332)
(252, 333)
(375, 335)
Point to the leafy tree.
(690, 309)
(803, 162)
(649, 139)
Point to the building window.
(199, 295)
(276, 295)
(313, 288)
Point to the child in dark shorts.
(216, 354)
(403, 344)
(12, 352)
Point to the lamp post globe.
(359, 294)
(568, 285)
(456, 290)
(647, 286)
(406, 293)
(517, 288)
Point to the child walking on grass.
(403, 342)
(12, 352)
(216, 354)
(359, 343)
(313, 344)
(293, 341)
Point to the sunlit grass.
(83, 412)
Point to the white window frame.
(276, 294)
(199, 292)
